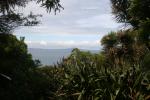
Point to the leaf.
(147, 97)
(81, 95)
(138, 80)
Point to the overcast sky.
(81, 24)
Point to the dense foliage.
(121, 71)
(131, 11)
(87, 76)
(19, 79)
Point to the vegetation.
(9, 19)
(20, 79)
(111, 75)
(121, 71)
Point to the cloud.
(81, 17)
(43, 43)
(64, 44)
(102, 20)
(77, 18)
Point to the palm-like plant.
(131, 11)
(120, 10)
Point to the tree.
(131, 11)
(18, 75)
(8, 6)
(9, 19)
(18, 72)
(120, 10)
(123, 47)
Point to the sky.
(81, 24)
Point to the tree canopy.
(9, 19)
(8, 6)
(131, 11)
